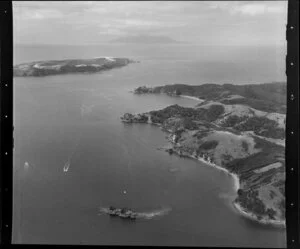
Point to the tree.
(177, 92)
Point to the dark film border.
(292, 124)
(292, 127)
(6, 121)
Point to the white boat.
(66, 167)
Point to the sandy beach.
(191, 97)
(253, 217)
(234, 176)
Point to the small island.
(239, 129)
(56, 67)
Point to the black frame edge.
(292, 122)
(292, 126)
(6, 121)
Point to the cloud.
(111, 31)
(193, 21)
(139, 22)
(28, 12)
(46, 14)
(251, 8)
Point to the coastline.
(253, 217)
(181, 96)
(235, 177)
(236, 205)
(236, 180)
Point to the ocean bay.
(79, 115)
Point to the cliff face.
(246, 141)
(44, 68)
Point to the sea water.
(75, 119)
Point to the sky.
(258, 23)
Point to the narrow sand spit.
(191, 97)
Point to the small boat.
(66, 167)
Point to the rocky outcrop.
(138, 118)
(143, 90)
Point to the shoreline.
(235, 177)
(253, 217)
(236, 205)
(236, 180)
(171, 95)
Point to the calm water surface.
(76, 119)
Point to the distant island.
(146, 39)
(54, 67)
(236, 128)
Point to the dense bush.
(208, 145)
(271, 213)
(157, 119)
(269, 154)
(277, 133)
(249, 200)
(245, 145)
(188, 114)
(189, 124)
(266, 97)
(232, 120)
(262, 126)
(240, 192)
(282, 207)
(214, 112)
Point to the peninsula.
(55, 67)
(236, 128)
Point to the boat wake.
(155, 213)
(143, 215)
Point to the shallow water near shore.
(76, 119)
